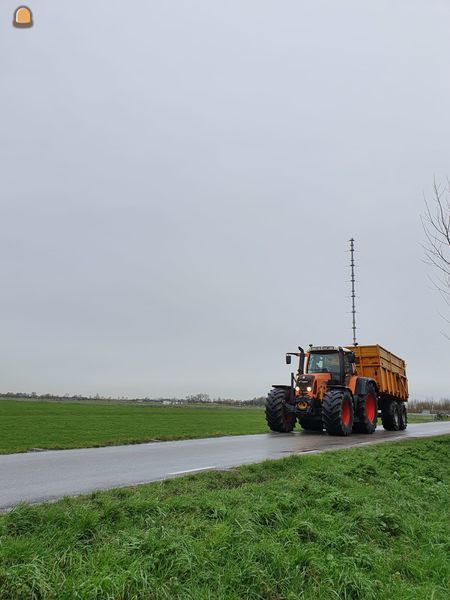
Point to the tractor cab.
(320, 369)
(337, 362)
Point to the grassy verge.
(367, 523)
(34, 424)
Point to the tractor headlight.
(309, 388)
(297, 389)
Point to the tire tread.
(275, 412)
(388, 420)
(364, 425)
(331, 413)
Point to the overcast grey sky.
(179, 181)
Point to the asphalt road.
(43, 476)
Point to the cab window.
(347, 364)
(324, 363)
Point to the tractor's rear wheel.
(367, 411)
(277, 416)
(309, 424)
(390, 416)
(337, 412)
(402, 416)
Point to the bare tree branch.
(436, 226)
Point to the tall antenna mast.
(353, 296)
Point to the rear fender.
(361, 385)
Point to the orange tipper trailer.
(388, 370)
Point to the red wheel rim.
(370, 408)
(345, 412)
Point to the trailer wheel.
(277, 417)
(390, 415)
(403, 416)
(337, 412)
(367, 411)
(310, 424)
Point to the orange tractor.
(341, 390)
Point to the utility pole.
(353, 296)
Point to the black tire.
(337, 412)
(309, 424)
(402, 416)
(367, 411)
(277, 417)
(390, 415)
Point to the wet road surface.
(43, 476)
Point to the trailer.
(387, 369)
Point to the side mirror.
(288, 359)
(351, 358)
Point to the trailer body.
(387, 369)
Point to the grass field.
(25, 425)
(420, 418)
(362, 524)
(34, 424)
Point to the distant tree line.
(190, 399)
(205, 399)
(434, 406)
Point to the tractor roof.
(328, 349)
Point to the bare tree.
(436, 225)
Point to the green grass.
(25, 425)
(39, 424)
(361, 524)
(420, 418)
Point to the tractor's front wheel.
(337, 412)
(277, 415)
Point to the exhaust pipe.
(301, 362)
